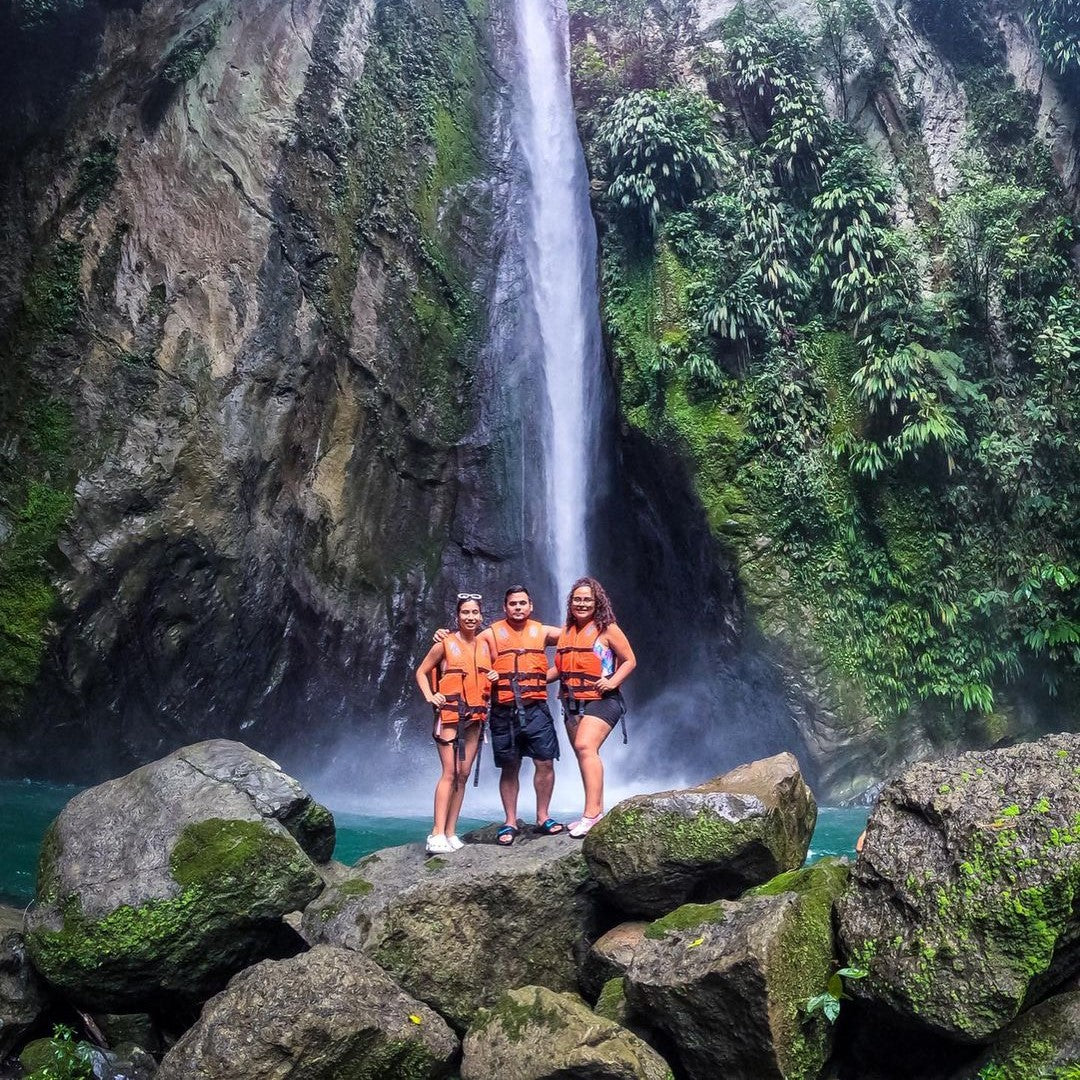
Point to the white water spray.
(561, 261)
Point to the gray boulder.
(23, 998)
(327, 1014)
(962, 905)
(163, 883)
(609, 957)
(535, 1034)
(652, 853)
(1043, 1042)
(726, 983)
(456, 932)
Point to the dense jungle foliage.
(877, 384)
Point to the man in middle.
(521, 723)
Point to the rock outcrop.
(23, 997)
(652, 853)
(726, 984)
(962, 905)
(457, 932)
(324, 1015)
(1044, 1041)
(609, 956)
(163, 883)
(535, 1034)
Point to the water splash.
(561, 261)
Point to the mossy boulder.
(323, 1015)
(727, 983)
(1043, 1042)
(161, 884)
(458, 931)
(536, 1034)
(963, 905)
(652, 853)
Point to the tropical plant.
(829, 1001)
(70, 1059)
(661, 149)
(1058, 25)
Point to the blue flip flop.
(551, 827)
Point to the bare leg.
(508, 790)
(543, 784)
(445, 787)
(588, 736)
(457, 795)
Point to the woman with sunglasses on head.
(454, 678)
(592, 660)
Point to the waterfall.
(560, 254)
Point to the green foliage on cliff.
(35, 493)
(883, 421)
(410, 152)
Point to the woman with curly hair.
(592, 660)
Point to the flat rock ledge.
(652, 853)
(456, 932)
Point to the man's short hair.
(513, 589)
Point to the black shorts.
(610, 708)
(512, 740)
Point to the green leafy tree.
(661, 151)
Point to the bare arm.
(551, 634)
(487, 639)
(624, 657)
(423, 674)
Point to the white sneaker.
(437, 844)
(580, 828)
(455, 843)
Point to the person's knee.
(544, 767)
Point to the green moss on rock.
(611, 1004)
(687, 917)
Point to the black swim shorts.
(511, 740)
(610, 708)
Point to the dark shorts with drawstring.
(610, 708)
(512, 740)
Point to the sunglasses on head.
(469, 596)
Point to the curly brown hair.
(603, 616)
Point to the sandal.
(506, 836)
(551, 827)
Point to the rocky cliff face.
(248, 252)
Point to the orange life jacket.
(520, 658)
(463, 680)
(578, 666)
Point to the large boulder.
(726, 984)
(963, 904)
(326, 1014)
(458, 931)
(163, 883)
(652, 853)
(1043, 1042)
(535, 1034)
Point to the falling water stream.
(560, 253)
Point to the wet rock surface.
(726, 983)
(1045, 1041)
(962, 905)
(536, 1034)
(652, 853)
(609, 956)
(456, 931)
(324, 1015)
(23, 996)
(164, 882)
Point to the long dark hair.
(603, 614)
